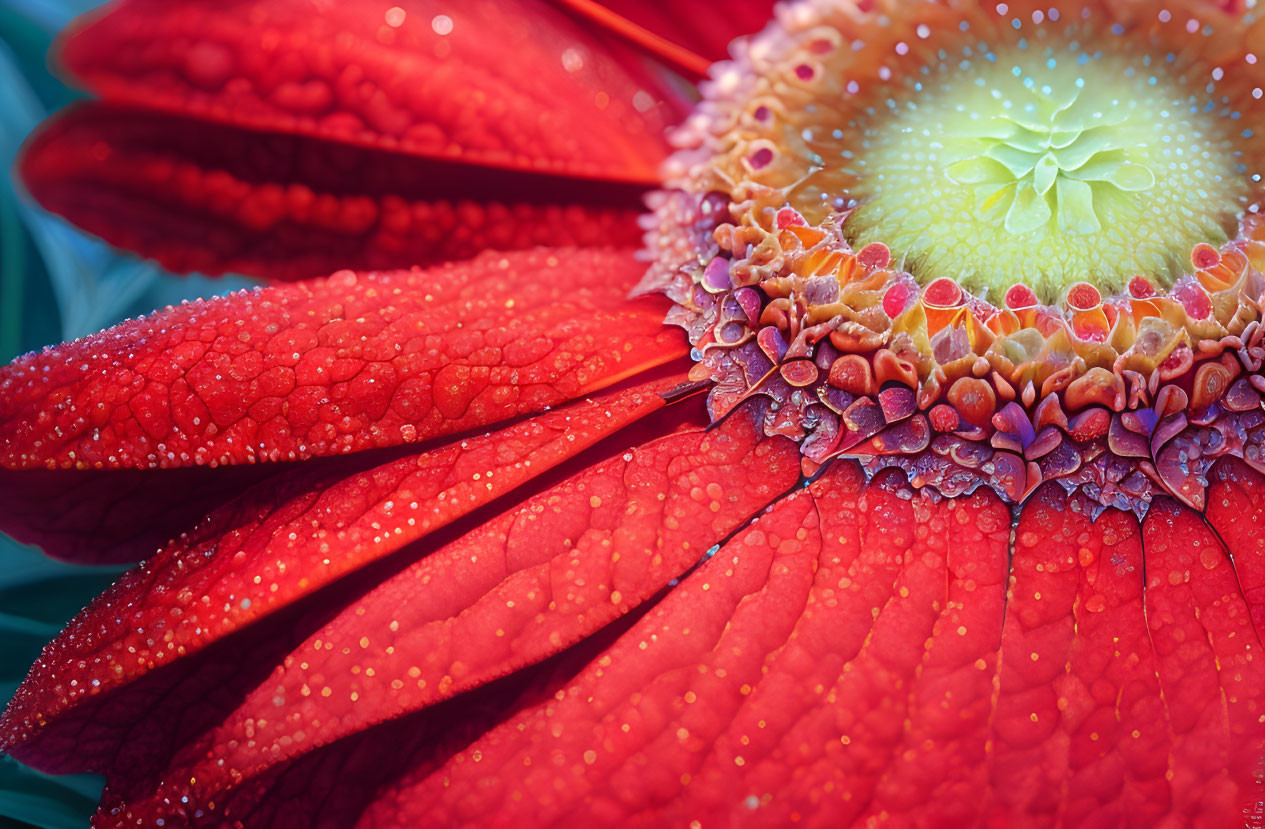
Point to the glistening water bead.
(988, 243)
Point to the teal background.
(55, 284)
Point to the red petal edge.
(334, 366)
(510, 84)
(1236, 511)
(209, 197)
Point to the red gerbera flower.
(913, 556)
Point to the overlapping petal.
(545, 574)
(285, 139)
(512, 83)
(338, 365)
(1209, 668)
(109, 516)
(325, 368)
(302, 530)
(848, 657)
(209, 197)
(773, 685)
(1236, 512)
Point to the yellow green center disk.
(1047, 166)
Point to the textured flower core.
(1014, 167)
(988, 243)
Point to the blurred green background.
(55, 284)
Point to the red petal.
(772, 685)
(1210, 670)
(1236, 510)
(246, 561)
(111, 516)
(511, 84)
(335, 366)
(332, 785)
(199, 196)
(839, 662)
(1080, 732)
(528, 584)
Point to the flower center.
(1048, 165)
(996, 243)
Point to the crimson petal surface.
(857, 654)
(1209, 665)
(510, 83)
(523, 586)
(333, 366)
(300, 531)
(210, 197)
(771, 686)
(1236, 510)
